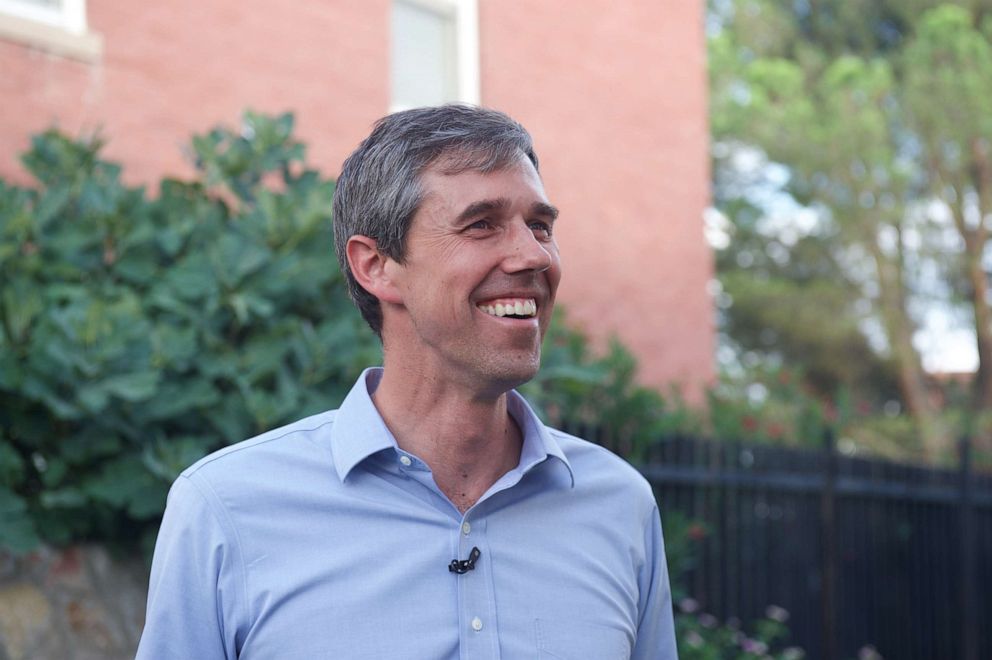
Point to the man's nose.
(525, 251)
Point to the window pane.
(48, 4)
(423, 56)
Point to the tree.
(879, 112)
(947, 97)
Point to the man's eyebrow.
(482, 207)
(501, 203)
(542, 208)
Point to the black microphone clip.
(462, 566)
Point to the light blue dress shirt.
(323, 539)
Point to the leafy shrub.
(682, 549)
(702, 636)
(771, 405)
(139, 333)
(598, 397)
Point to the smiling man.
(432, 516)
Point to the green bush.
(140, 332)
(598, 395)
(771, 405)
(700, 635)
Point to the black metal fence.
(859, 551)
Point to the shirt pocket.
(579, 640)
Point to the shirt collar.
(359, 431)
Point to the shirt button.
(466, 528)
(476, 624)
(405, 460)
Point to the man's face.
(479, 278)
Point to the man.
(432, 516)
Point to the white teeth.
(526, 307)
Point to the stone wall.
(73, 604)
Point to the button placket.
(479, 636)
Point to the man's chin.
(508, 376)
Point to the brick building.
(614, 94)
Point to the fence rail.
(860, 551)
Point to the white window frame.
(466, 14)
(70, 15)
(62, 30)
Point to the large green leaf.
(17, 529)
(134, 386)
(180, 397)
(126, 483)
(11, 464)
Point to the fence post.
(969, 631)
(828, 559)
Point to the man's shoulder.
(269, 449)
(594, 464)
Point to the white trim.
(74, 12)
(61, 30)
(466, 17)
(70, 15)
(467, 29)
(446, 7)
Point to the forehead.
(517, 180)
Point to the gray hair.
(379, 190)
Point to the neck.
(467, 438)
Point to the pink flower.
(869, 653)
(776, 613)
(754, 646)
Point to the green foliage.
(949, 59)
(682, 536)
(700, 635)
(585, 393)
(139, 333)
(867, 123)
(772, 405)
(778, 314)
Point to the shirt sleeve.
(197, 582)
(656, 627)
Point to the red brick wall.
(172, 68)
(614, 94)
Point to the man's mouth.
(521, 308)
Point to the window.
(55, 25)
(70, 15)
(434, 55)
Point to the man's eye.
(541, 228)
(480, 224)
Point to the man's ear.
(372, 269)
